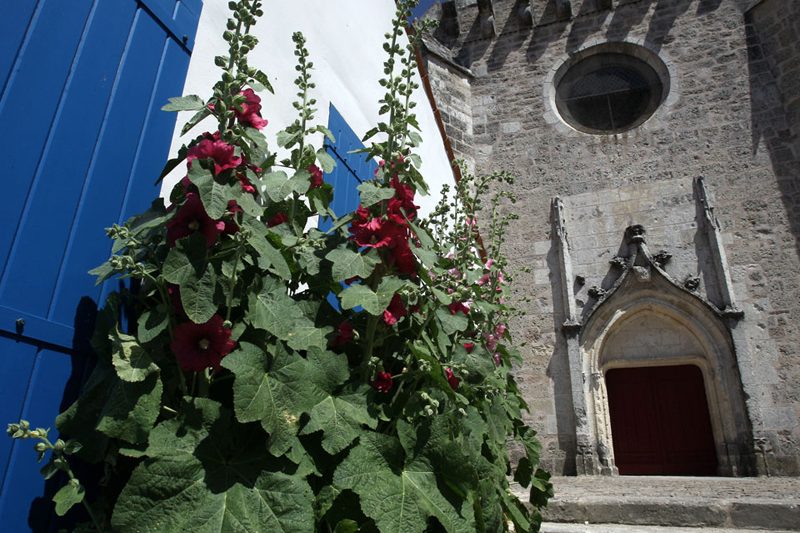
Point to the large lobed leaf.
(276, 312)
(209, 474)
(399, 498)
(278, 392)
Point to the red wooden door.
(660, 422)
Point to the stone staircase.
(667, 504)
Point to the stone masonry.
(731, 116)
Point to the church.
(656, 145)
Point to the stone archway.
(659, 380)
(649, 322)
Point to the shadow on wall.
(559, 372)
(774, 89)
(41, 516)
(584, 24)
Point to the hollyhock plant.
(201, 346)
(282, 375)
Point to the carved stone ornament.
(662, 258)
(692, 283)
(619, 262)
(597, 292)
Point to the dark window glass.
(608, 93)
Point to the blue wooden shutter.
(81, 84)
(351, 168)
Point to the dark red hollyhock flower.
(250, 114)
(469, 346)
(212, 147)
(316, 176)
(455, 307)
(403, 259)
(344, 334)
(246, 185)
(201, 346)
(190, 218)
(231, 226)
(383, 382)
(395, 311)
(451, 378)
(374, 232)
(403, 202)
(279, 218)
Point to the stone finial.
(635, 234)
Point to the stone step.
(552, 527)
(771, 504)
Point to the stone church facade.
(656, 145)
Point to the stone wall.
(731, 116)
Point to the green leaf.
(213, 194)
(373, 303)
(372, 194)
(173, 163)
(279, 186)
(186, 261)
(327, 133)
(247, 202)
(131, 361)
(325, 161)
(207, 474)
(102, 272)
(452, 323)
(195, 120)
(348, 263)
(184, 103)
(269, 257)
(285, 138)
(152, 323)
(197, 297)
(346, 526)
(424, 238)
(277, 394)
(399, 499)
(70, 494)
(111, 407)
(340, 419)
(276, 312)
(262, 78)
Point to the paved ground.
(674, 503)
(550, 527)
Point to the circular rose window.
(604, 92)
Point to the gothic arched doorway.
(660, 421)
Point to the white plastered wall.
(344, 38)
